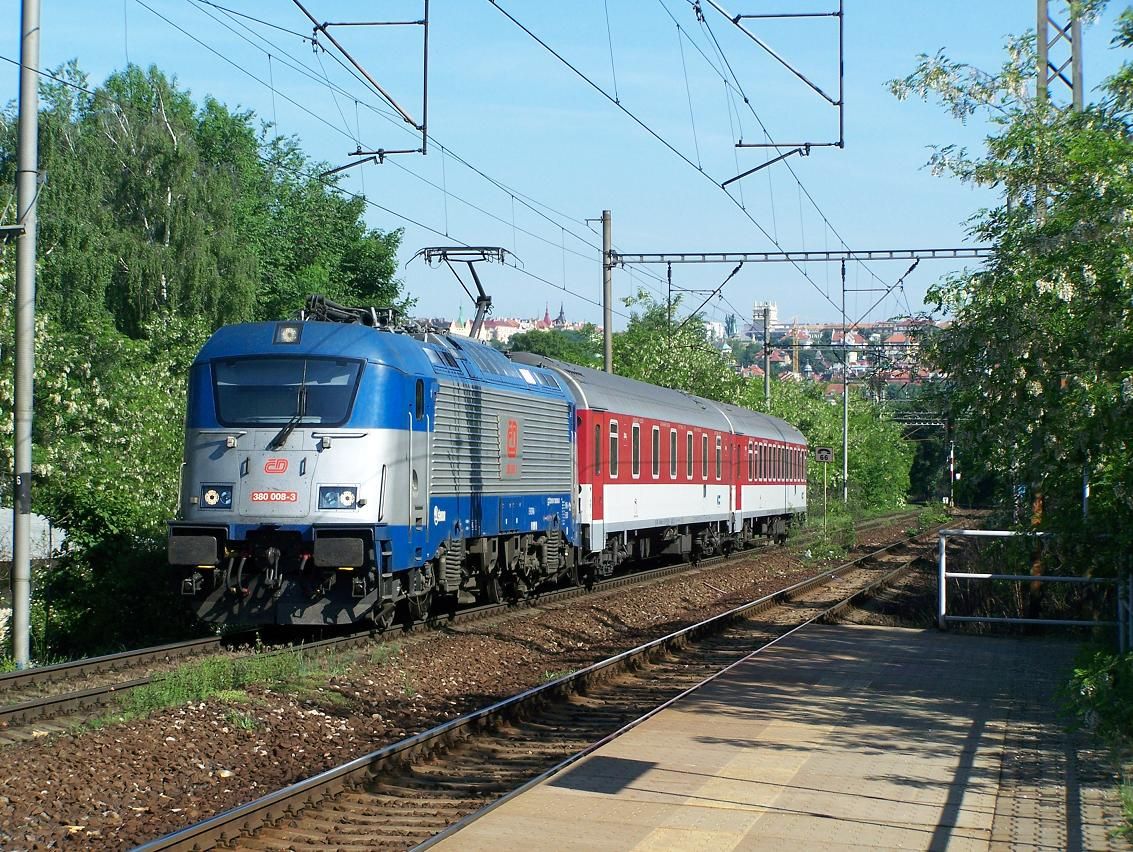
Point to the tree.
(582, 347)
(673, 354)
(1039, 349)
(159, 221)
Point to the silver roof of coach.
(601, 391)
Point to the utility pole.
(767, 356)
(952, 474)
(845, 398)
(607, 291)
(27, 188)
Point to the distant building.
(757, 317)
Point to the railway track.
(43, 701)
(416, 791)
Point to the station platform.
(839, 737)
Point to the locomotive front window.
(276, 391)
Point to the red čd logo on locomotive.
(512, 438)
(275, 465)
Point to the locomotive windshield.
(278, 391)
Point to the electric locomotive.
(336, 470)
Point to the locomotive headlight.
(216, 497)
(337, 497)
(288, 332)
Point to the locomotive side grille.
(466, 445)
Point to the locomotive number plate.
(275, 497)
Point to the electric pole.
(1050, 72)
(607, 292)
(845, 398)
(27, 187)
(767, 356)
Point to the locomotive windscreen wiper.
(289, 427)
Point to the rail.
(244, 820)
(1123, 620)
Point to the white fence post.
(941, 587)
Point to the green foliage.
(673, 354)
(1100, 695)
(582, 347)
(1039, 350)
(225, 678)
(158, 222)
(678, 355)
(153, 207)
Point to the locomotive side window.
(597, 448)
(613, 450)
(704, 457)
(635, 451)
(672, 453)
(656, 451)
(718, 445)
(419, 399)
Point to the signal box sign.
(824, 454)
(511, 447)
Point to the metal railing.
(1123, 622)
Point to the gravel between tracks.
(126, 783)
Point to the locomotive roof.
(467, 359)
(323, 339)
(598, 390)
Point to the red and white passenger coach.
(662, 471)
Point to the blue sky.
(563, 153)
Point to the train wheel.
(493, 588)
(384, 617)
(420, 605)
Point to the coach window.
(635, 454)
(597, 448)
(704, 457)
(718, 445)
(419, 405)
(613, 450)
(672, 453)
(656, 448)
(750, 462)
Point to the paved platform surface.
(842, 737)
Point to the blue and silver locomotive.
(336, 470)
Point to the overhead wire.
(313, 175)
(767, 135)
(524, 199)
(679, 154)
(304, 70)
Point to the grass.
(242, 721)
(547, 677)
(383, 653)
(226, 679)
